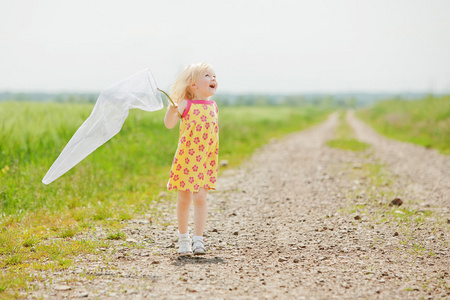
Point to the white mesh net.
(107, 118)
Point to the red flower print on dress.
(205, 136)
(199, 158)
(217, 151)
(196, 187)
(176, 177)
(201, 176)
(206, 186)
(197, 140)
(191, 179)
(195, 168)
(182, 140)
(211, 141)
(179, 167)
(171, 174)
(205, 107)
(212, 163)
(188, 143)
(207, 125)
(213, 179)
(191, 134)
(187, 117)
(191, 152)
(181, 152)
(186, 160)
(209, 154)
(210, 172)
(188, 127)
(201, 148)
(203, 118)
(216, 129)
(199, 127)
(212, 113)
(196, 112)
(175, 161)
(186, 171)
(170, 186)
(182, 184)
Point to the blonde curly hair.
(181, 89)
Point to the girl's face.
(205, 86)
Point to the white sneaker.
(184, 247)
(199, 245)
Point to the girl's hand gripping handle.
(173, 108)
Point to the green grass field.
(424, 122)
(118, 181)
(131, 167)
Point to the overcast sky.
(255, 46)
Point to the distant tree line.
(339, 100)
(346, 101)
(50, 97)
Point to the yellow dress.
(196, 160)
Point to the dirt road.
(297, 221)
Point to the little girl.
(194, 169)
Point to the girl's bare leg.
(183, 205)
(200, 212)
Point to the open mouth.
(212, 85)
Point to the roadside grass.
(369, 202)
(42, 228)
(345, 137)
(118, 235)
(29, 246)
(424, 122)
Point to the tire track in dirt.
(428, 170)
(280, 226)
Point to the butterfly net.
(107, 118)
